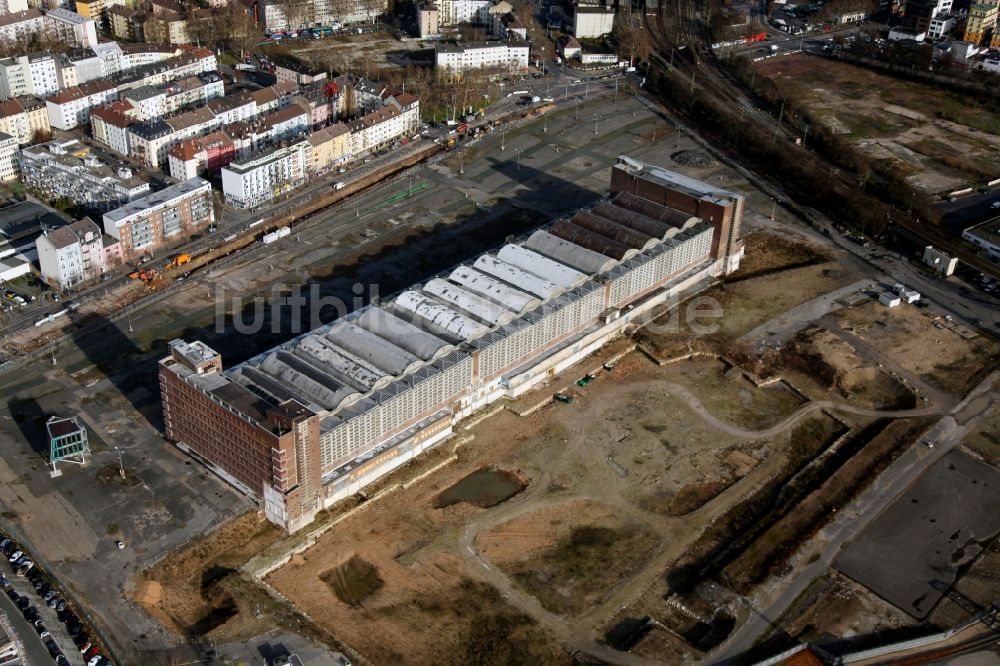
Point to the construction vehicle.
(146, 275)
(563, 398)
(179, 260)
(586, 379)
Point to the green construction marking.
(404, 194)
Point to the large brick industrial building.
(316, 419)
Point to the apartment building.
(127, 23)
(276, 15)
(301, 75)
(19, 26)
(13, 6)
(35, 74)
(287, 123)
(376, 130)
(8, 158)
(427, 20)
(159, 72)
(161, 219)
(981, 22)
(328, 148)
(23, 117)
(457, 58)
(274, 97)
(168, 28)
(149, 142)
(69, 169)
(192, 91)
(71, 107)
(453, 12)
(76, 253)
(147, 101)
(71, 28)
(91, 9)
(256, 180)
(110, 125)
(409, 111)
(195, 157)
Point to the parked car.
(95, 661)
(15, 556)
(30, 613)
(61, 605)
(81, 639)
(91, 652)
(40, 628)
(22, 602)
(49, 594)
(85, 647)
(61, 660)
(53, 601)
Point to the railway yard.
(701, 492)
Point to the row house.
(161, 219)
(71, 107)
(23, 118)
(76, 253)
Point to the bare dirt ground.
(647, 463)
(922, 344)
(943, 141)
(366, 53)
(837, 606)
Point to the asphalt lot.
(912, 553)
(473, 199)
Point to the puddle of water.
(483, 488)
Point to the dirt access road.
(577, 631)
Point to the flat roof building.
(317, 418)
(161, 219)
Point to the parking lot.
(911, 555)
(47, 625)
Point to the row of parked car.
(49, 595)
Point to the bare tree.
(631, 42)
(242, 31)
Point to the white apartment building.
(318, 12)
(452, 12)
(459, 58)
(8, 158)
(71, 107)
(70, 27)
(36, 74)
(375, 130)
(13, 6)
(110, 125)
(75, 253)
(147, 102)
(941, 26)
(258, 179)
(18, 27)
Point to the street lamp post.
(121, 465)
(518, 158)
(774, 206)
(597, 118)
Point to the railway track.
(682, 49)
